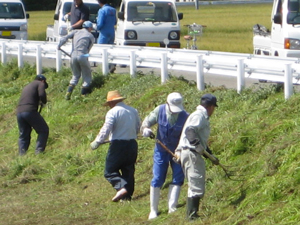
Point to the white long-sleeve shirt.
(122, 122)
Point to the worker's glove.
(147, 132)
(70, 29)
(95, 145)
(177, 156)
(199, 149)
(65, 17)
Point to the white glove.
(66, 17)
(70, 29)
(147, 132)
(199, 149)
(177, 157)
(95, 145)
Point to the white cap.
(175, 102)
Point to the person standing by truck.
(82, 43)
(106, 22)
(79, 14)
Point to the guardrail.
(241, 66)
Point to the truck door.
(277, 34)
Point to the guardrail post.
(104, 62)
(3, 53)
(38, 59)
(240, 75)
(200, 73)
(164, 67)
(288, 84)
(58, 60)
(132, 64)
(20, 55)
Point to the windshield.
(151, 11)
(293, 16)
(92, 7)
(11, 11)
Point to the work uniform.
(169, 130)
(28, 117)
(81, 12)
(82, 43)
(192, 160)
(122, 124)
(106, 22)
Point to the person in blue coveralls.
(170, 118)
(106, 22)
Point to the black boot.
(69, 92)
(192, 208)
(85, 91)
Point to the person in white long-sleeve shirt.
(121, 126)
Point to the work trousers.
(193, 166)
(120, 165)
(161, 162)
(81, 67)
(27, 121)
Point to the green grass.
(256, 132)
(229, 27)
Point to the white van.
(60, 27)
(148, 23)
(13, 20)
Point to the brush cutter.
(228, 174)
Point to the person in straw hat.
(170, 118)
(122, 124)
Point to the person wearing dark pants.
(122, 124)
(119, 159)
(33, 96)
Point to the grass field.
(255, 132)
(229, 27)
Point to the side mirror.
(180, 16)
(121, 15)
(277, 18)
(27, 15)
(56, 16)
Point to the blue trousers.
(161, 162)
(27, 121)
(120, 165)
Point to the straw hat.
(113, 96)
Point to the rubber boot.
(85, 91)
(69, 92)
(173, 195)
(154, 200)
(192, 208)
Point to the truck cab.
(148, 23)
(60, 27)
(13, 20)
(283, 39)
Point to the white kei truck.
(60, 27)
(152, 23)
(284, 38)
(13, 20)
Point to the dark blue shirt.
(81, 12)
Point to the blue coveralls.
(169, 136)
(106, 22)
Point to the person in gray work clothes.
(83, 41)
(192, 143)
